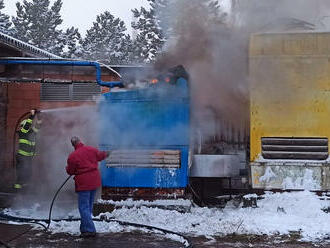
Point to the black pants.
(23, 169)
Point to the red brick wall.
(3, 121)
(22, 97)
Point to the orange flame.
(154, 80)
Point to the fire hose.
(4, 216)
(48, 221)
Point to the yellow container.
(289, 98)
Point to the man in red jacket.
(83, 164)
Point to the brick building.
(24, 87)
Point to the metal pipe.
(67, 63)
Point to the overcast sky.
(82, 13)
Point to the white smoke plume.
(53, 149)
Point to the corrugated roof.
(23, 46)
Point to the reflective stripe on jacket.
(27, 137)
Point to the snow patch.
(277, 213)
(177, 238)
(172, 172)
(306, 182)
(261, 159)
(269, 174)
(250, 196)
(132, 203)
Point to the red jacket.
(83, 164)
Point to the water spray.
(62, 109)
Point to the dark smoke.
(215, 55)
(275, 15)
(214, 49)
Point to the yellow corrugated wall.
(289, 86)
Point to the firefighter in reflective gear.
(26, 148)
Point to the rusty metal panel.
(120, 193)
(287, 176)
(144, 158)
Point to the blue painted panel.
(147, 177)
(145, 123)
(152, 118)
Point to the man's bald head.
(75, 140)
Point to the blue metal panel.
(147, 177)
(153, 118)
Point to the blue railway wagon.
(147, 133)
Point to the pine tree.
(106, 40)
(163, 21)
(72, 43)
(215, 11)
(150, 36)
(37, 23)
(5, 24)
(201, 13)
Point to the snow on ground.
(132, 203)
(277, 213)
(41, 211)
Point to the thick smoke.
(215, 55)
(214, 49)
(270, 15)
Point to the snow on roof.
(109, 68)
(23, 46)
